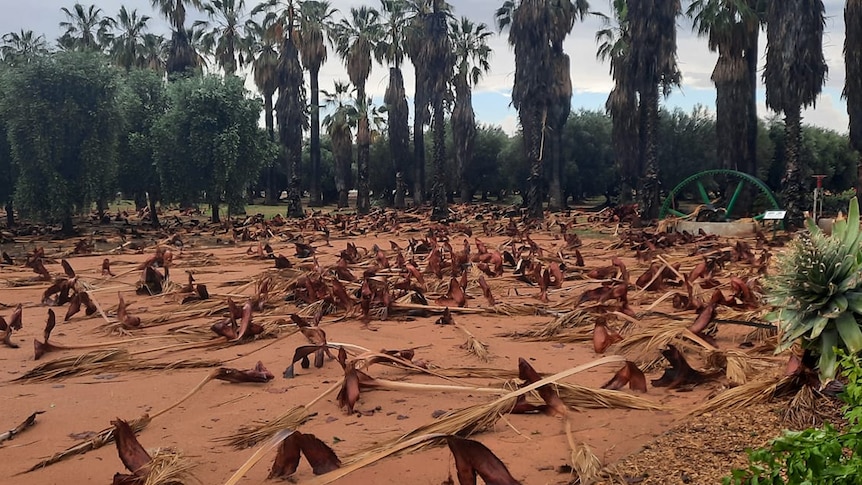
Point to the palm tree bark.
(291, 118)
(793, 190)
(10, 214)
(399, 132)
(315, 198)
(533, 124)
(154, 215)
(464, 136)
(648, 184)
(440, 210)
(214, 207)
(363, 142)
(420, 111)
(853, 80)
(271, 190)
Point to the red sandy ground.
(534, 447)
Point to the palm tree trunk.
(553, 146)
(419, 105)
(533, 123)
(315, 199)
(10, 214)
(792, 189)
(214, 207)
(440, 210)
(363, 140)
(648, 185)
(399, 132)
(751, 54)
(271, 190)
(154, 215)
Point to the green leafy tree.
(588, 164)
(63, 120)
(794, 75)
(209, 145)
(144, 102)
(7, 178)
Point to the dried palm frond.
(467, 421)
(801, 411)
(580, 397)
(104, 437)
(743, 396)
(169, 467)
(740, 366)
(516, 309)
(473, 345)
(475, 372)
(248, 436)
(572, 319)
(643, 347)
(109, 360)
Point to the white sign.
(774, 215)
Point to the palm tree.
(794, 75)
(355, 40)
(537, 29)
(21, 47)
(339, 123)
(86, 28)
(181, 56)
(290, 108)
(652, 62)
(153, 52)
(731, 28)
(391, 50)
(263, 52)
(314, 25)
(614, 42)
(127, 45)
(225, 38)
(853, 81)
(414, 41)
(470, 42)
(437, 55)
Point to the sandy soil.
(534, 447)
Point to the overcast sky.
(591, 79)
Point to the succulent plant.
(817, 291)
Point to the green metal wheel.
(697, 184)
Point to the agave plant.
(817, 292)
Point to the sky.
(491, 99)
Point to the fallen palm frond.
(104, 437)
(474, 372)
(26, 424)
(746, 395)
(740, 366)
(109, 360)
(801, 411)
(473, 345)
(572, 319)
(580, 397)
(169, 467)
(516, 309)
(248, 436)
(643, 347)
(467, 421)
(108, 435)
